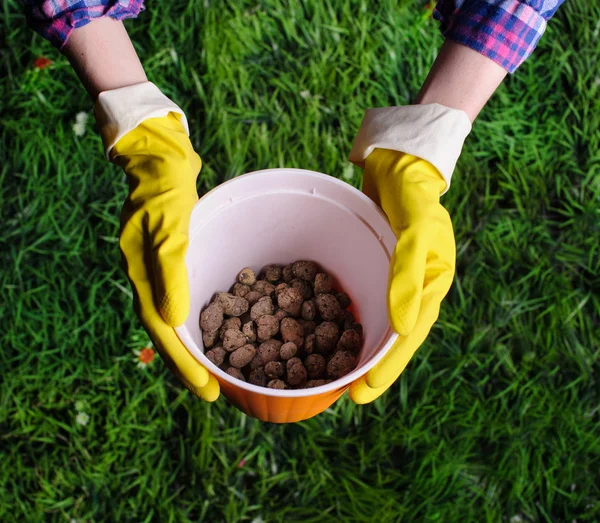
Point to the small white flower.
(82, 418)
(305, 94)
(80, 123)
(79, 405)
(348, 172)
(173, 54)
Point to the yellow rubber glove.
(408, 190)
(161, 168)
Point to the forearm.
(103, 56)
(484, 40)
(461, 78)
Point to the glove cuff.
(432, 132)
(121, 110)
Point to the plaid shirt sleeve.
(55, 19)
(505, 31)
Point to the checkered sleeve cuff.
(506, 31)
(55, 20)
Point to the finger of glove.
(176, 355)
(407, 275)
(162, 167)
(171, 283)
(396, 360)
(407, 188)
(361, 393)
(168, 224)
(210, 391)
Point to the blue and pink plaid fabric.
(505, 31)
(55, 19)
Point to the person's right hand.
(161, 167)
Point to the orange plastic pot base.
(279, 409)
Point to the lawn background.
(496, 418)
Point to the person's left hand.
(422, 267)
(408, 155)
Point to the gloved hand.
(408, 155)
(146, 134)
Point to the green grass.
(496, 419)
